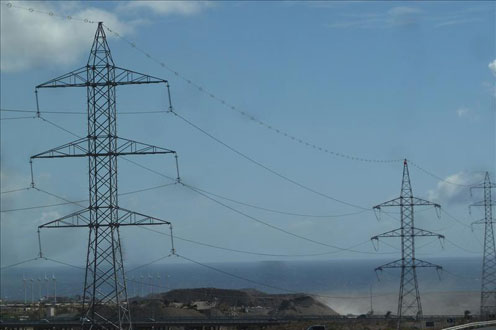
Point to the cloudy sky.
(377, 80)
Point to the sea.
(347, 286)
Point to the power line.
(269, 285)
(222, 272)
(230, 148)
(245, 114)
(275, 227)
(266, 167)
(14, 190)
(250, 252)
(279, 211)
(456, 220)
(84, 200)
(223, 102)
(18, 263)
(235, 210)
(461, 247)
(59, 127)
(340, 249)
(76, 112)
(16, 118)
(205, 91)
(150, 263)
(437, 177)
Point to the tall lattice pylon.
(105, 303)
(409, 297)
(488, 280)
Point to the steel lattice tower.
(409, 296)
(488, 285)
(105, 303)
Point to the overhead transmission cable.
(252, 252)
(256, 219)
(246, 114)
(276, 227)
(286, 178)
(282, 176)
(76, 112)
(84, 200)
(280, 211)
(219, 99)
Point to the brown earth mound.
(212, 302)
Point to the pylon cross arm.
(79, 148)
(393, 264)
(76, 148)
(131, 218)
(423, 232)
(422, 263)
(392, 233)
(129, 77)
(76, 78)
(125, 218)
(77, 219)
(402, 201)
(130, 147)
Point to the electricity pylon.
(409, 296)
(105, 302)
(488, 285)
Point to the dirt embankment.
(211, 302)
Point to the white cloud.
(405, 16)
(396, 16)
(168, 7)
(30, 39)
(462, 112)
(453, 189)
(492, 67)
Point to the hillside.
(211, 302)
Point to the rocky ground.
(211, 302)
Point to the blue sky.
(381, 80)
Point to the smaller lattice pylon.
(409, 297)
(488, 279)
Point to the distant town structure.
(105, 301)
(409, 297)
(488, 279)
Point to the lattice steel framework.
(409, 296)
(488, 285)
(105, 303)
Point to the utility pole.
(105, 302)
(409, 296)
(488, 285)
